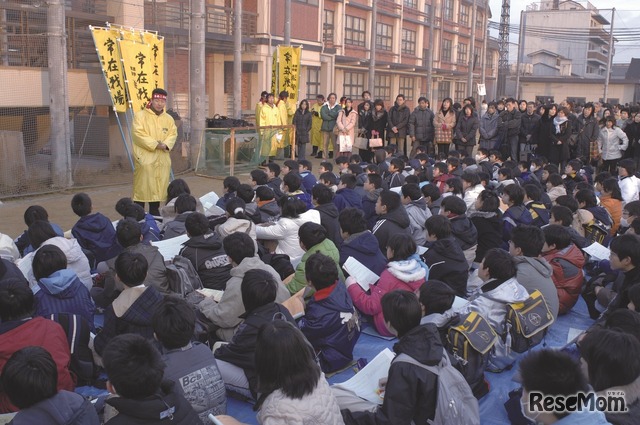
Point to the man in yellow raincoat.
(287, 110)
(154, 134)
(316, 124)
(270, 115)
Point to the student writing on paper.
(330, 323)
(410, 392)
(359, 242)
(402, 273)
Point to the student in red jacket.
(567, 262)
(19, 330)
(440, 175)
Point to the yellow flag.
(157, 58)
(289, 71)
(138, 70)
(274, 73)
(105, 40)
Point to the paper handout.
(365, 383)
(171, 247)
(360, 273)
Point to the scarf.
(558, 121)
(377, 115)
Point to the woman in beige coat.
(346, 125)
(443, 123)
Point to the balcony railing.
(597, 56)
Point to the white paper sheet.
(360, 272)
(170, 247)
(365, 383)
(573, 333)
(422, 249)
(216, 294)
(208, 202)
(597, 251)
(458, 303)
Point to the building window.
(448, 10)
(476, 57)
(313, 2)
(427, 10)
(406, 87)
(355, 31)
(464, 14)
(446, 50)
(382, 86)
(327, 26)
(384, 36)
(353, 84)
(479, 21)
(577, 100)
(462, 53)
(413, 4)
(461, 91)
(408, 42)
(313, 82)
(489, 59)
(444, 89)
(425, 57)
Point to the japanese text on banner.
(105, 40)
(138, 69)
(289, 70)
(157, 58)
(274, 73)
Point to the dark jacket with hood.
(242, 348)
(176, 227)
(329, 220)
(510, 122)
(398, 118)
(369, 207)
(393, 222)
(149, 233)
(308, 181)
(150, 410)
(411, 392)
(209, 259)
(447, 263)
(463, 229)
(269, 212)
(528, 125)
(63, 292)
(421, 125)
(274, 184)
(489, 227)
(96, 233)
(512, 217)
(331, 325)
(64, 408)
(347, 198)
(364, 247)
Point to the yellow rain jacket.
(316, 124)
(152, 166)
(287, 109)
(269, 115)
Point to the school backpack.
(539, 213)
(456, 403)
(182, 276)
(595, 231)
(527, 322)
(470, 343)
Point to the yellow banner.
(157, 58)
(105, 40)
(289, 71)
(138, 71)
(274, 73)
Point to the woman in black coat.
(543, 137)
(559, 152)
(365, 124)
(379, 118)
(302, 121)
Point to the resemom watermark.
(609, 402)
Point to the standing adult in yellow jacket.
(154, 134)
(259, 105)
(287, 109)
(316, 125)
(270, 115)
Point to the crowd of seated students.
(488, 230)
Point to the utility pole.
(58, 95)
(609, 58)
(472, 48)
(197, 88)
(372, 48)
(432, 23)
(287, 22)
(483, 60)
(503, 47)
(237, 60)
(520, 53)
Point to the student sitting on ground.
(392, 218)
(267, 205)
(204, 250)
(500, 287)
(533, 202)
(567, 262)
(403, 273)
(237, 220)
(130, 237)
(248, 195)
(372, 190)
(185, 205)
(555, 187)
(313, 239)
(462, 228)
(611, 199)
(330, 322)
(31, 214)
(132, 311)
(625, 258)
(411, 391)
(236, 360)
(225, 315)
(563, 216)
(322, 198)
(445, 258)
(60, 289)
(30, 380)
(305, 168)
(486, 217)
(292, 186)
(94, 232)
(516, 213)
(190, 365)
(135, 370)
(417, 210)
(229, 186)
(395, 178)
(359, 242)
(534, 272)
(176, 188)
(553, 373)
(148, 225)
(18, 330)
(346, 196)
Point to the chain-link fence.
(97, 148)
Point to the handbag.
(375, 142)
(346, 144)
(361, 143)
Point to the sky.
(627, 13)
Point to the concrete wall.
(592, 92)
